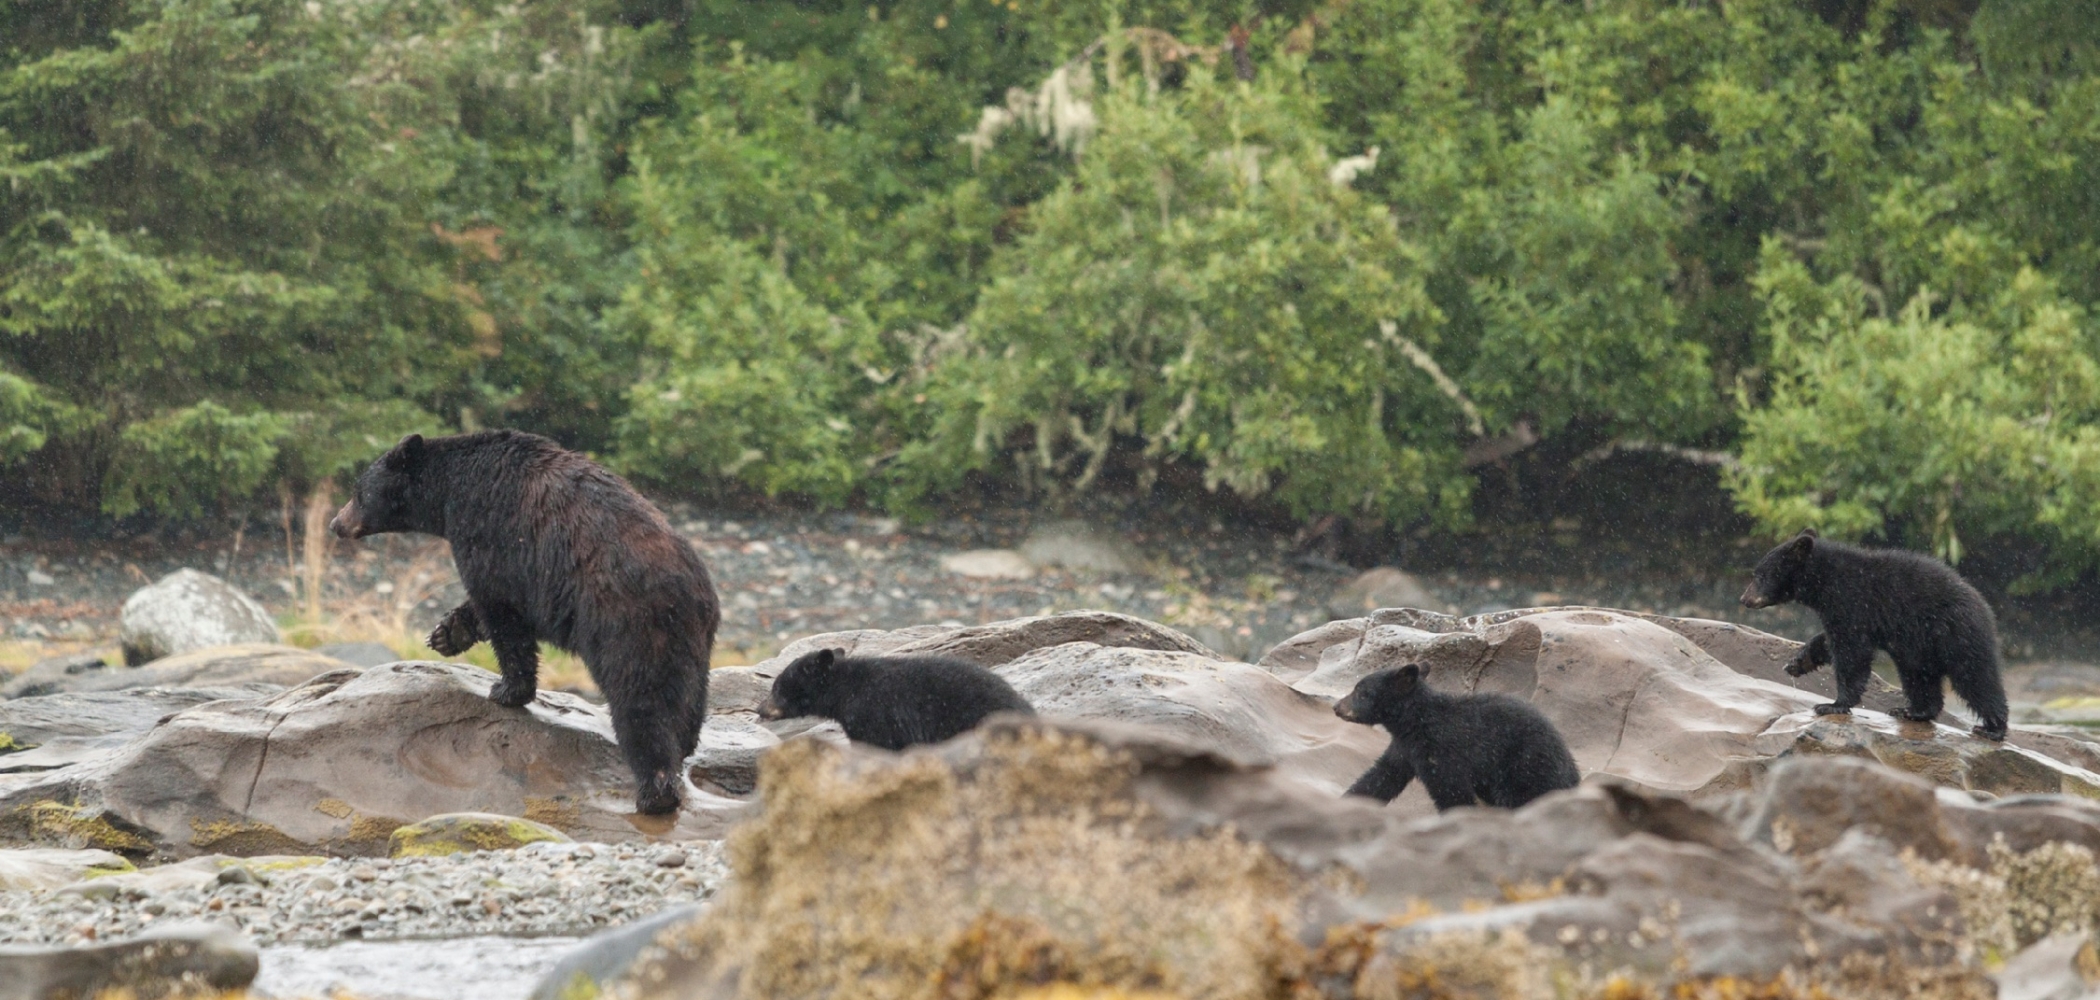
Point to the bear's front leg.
(1813, 654)
(458, 632)
(517, 655)
(1852, 659)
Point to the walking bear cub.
(1932, 623)
(551, 547)
(1481, 748)
(891, 701)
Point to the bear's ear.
(1808, 533)
(1805, 542)
(824, 657)
(1408, 678)
(408, 454)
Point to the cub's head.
(1380, 694)
(801, 689)
(1779, 572)
(383, 498)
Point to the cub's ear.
(1808, 533)
(1805, 542)
(1408, 678)
(824, 657)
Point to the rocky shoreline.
(1186, 802)
(541, 889)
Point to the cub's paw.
(1994, 735)
(1833, 708)
(509, 696)
(1802, 663)
(1908, 715)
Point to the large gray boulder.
(51, 731)
(1235, 709)
(994, 643)
(1651, 699)
(188, 610)
(335, 765)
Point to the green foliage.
(1200, 290)
(865, 253)
(205, 207)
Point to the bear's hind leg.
(517, 655)
(650, 717)
(1923, 689)
(1973, 672)
(1447, 789)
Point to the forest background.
(1323, 258)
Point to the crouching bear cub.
(551, 547)
(891, 701)
(1933, 624)
(1489, 749)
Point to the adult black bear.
(1931, 622)
(551, 547)
(1484, 748)
(891, 701)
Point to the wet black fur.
(553, 548)
(1931, 622)
(1468, 749)
(891, 701)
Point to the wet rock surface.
(540, 889)
(337, 764)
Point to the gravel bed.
(537, 890)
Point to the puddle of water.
(495, 968)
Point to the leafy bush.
(1200, 289)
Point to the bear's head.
(1380, 694)
(384, 497)
(1779, 572)
(803, 688)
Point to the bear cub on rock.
(1480, 748)
(551, 547)
(891, 701)
(1931, 622)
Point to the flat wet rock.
(335, 765)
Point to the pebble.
(536, 890)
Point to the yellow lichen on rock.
(464, 833)
(242, 839)
(1024, 864)
(70, 826)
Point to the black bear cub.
(1931, 622)
(551, 547)
(1475, 748)
(891, 701)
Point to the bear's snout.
(1752, 599)
(347, 523)
(769, 710)
(1345, 710)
